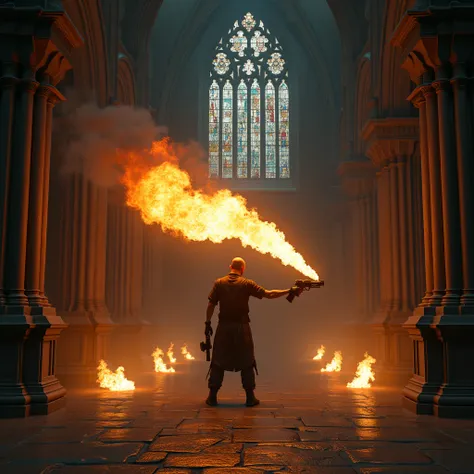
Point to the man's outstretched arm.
(273, 294)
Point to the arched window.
(249, 105)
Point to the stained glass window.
(284, 130)
(214, 131)
(249, 105)
(255, 129)
(242, 130)
(227, 131)
(270, 131)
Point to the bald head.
(238, 265)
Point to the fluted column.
(436, 210)
(358, 181)
(463, 105)
(7, 96)
(450, 192)
(124, 261)
(392, 144)
(83, 239)
(29, 326)
(17, 214)
(443, 325)
(35, 216)
(152, 273)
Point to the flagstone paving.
(307, 423)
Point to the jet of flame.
(186, 353)
(114, 381)
(364, 373)
(164, 195)
(320, 353)
(160, 366)
(335, 365)
(170, 354)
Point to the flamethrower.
(207, 346)
(303, 285)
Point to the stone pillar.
(392, 145)
(152, 283)
(83, 240)
(442, 327)
(124, 278)
(358, 182)
(29, 326)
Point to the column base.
(82, 346)
(393, 350)
(28, 384)
(419, 392)
(455, 328)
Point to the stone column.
(83, 240)
(392, 145)
(358, 178)
(29, 326)
(436, 210)
(7, 83)
(443, 326)
(125, 278)
(153, 251)
(463, 108)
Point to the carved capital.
(39, 40)
(389, 138)
(435, 38)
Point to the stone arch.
(395, 85)
(362, 101)
(125, 81)
(90, 61)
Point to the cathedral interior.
(346, 125)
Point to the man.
(233, 344)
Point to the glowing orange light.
(160, 366)
(186, 353)
(114, 381)
(335, 365)
(164, 195)
(170, 354)
(364, 374)
(320, 353)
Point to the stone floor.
(306, 423)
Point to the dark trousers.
(216, 377)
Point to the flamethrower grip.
(291, 295)
(208, 350)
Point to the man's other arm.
(273, 294)
(210, 311)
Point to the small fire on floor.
(364, 375)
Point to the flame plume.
(335, 365)
(160, 366)
(164, 195)
(186, 353)
(114, 381)
(170, 354)
(320, 353)
(364, 374)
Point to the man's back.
(232, 292)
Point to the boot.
(252, 400)
(211, 400)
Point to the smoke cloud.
(95, 142)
